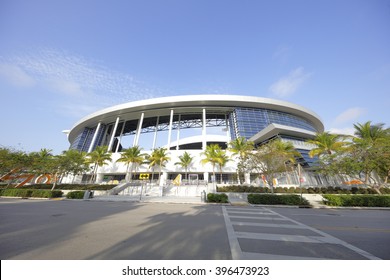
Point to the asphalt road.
(77, 230)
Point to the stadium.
(190, 123)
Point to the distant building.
(189, 123)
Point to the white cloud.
(343, 131)
(349, 115)
(71, 74)
(77, 80)
(16, 75)
(289, 84)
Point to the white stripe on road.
(257, 218)
(266, 225)
(237, 252)
(285, 237)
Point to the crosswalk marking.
(269, 219)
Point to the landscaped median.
(357, 200)
(273, 199)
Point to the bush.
(271, 199)
(69, 187)
(75, 195)
(243, 189)
(358, 200)
(217, 197)
(30, 193)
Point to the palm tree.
(369, 133)
(159, 157)
(222, 159)
(211, 155)
(367, 143)
(98, 157)
(185, 162)
(326, 144)
(131, 156)
(240, 147)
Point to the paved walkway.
(154, 199)
(260, 233)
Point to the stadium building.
(189, 123)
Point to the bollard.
(203, 196)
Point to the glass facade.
(84, 139)
(246, 122)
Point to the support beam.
(113, 134)
(139, 128)
(170, 129)
(155, 133)
(120, 137)
(94, 137)
(204, 142)
(178, 134)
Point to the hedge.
(217, 197)
(75, 195)
(357, 200)
(272, 199)
(310, 190)
(68, 187)
(30, 193)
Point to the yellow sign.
(144, 176)
(177, 180)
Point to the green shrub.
(30, 193)
(75, 195)
(358, 200)
(16, 192)
(243, 189)
(271, 199)
(69, 187)
(217, 197)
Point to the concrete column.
(94, 137)
(247, 178)
(206, 176)
(113, 134)
(120, 137)
(139, 128)
(178, 134)
(204, 142)
(155, 133)
(227, 128)
(170, 129)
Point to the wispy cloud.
(72, 76)
(16, 75)
(282, 53)
(289, 84)
(349, 115)
(343, 131)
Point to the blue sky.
(61, 60)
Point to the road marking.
(352, 229)
(234, 235)
(285, 237)
(257, 218)
(266, 225)
(345, 244)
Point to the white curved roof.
(163, 105)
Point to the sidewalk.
(151, 199)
